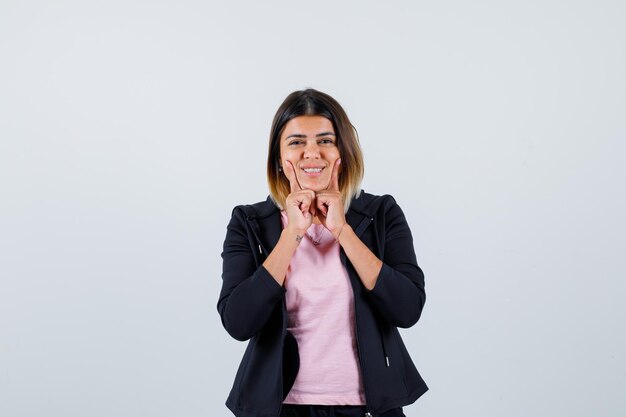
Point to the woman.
(319, 277)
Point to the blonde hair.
(311, 102)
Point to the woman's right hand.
(300, 204)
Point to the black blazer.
(252, 306)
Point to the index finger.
(292, 177)
(333, 185)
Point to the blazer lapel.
(271, 227)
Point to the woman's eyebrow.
(301, 136)
(296, 135)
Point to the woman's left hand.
(330, 203)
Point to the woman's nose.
(311, 150)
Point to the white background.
(129, 130)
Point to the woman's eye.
(327, 141)
(295, 142)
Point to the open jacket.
(252, 306)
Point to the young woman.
(319, 277)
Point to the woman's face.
(310, 144)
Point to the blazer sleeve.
(249, 293)
(399, 290)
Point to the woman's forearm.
(366, 264)
(278, 260)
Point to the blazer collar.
(266, 223)
(361, 205)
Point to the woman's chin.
(314, 186)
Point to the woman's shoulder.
(259, 209)
(368, 204)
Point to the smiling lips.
(313, 171)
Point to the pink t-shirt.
(320, 308)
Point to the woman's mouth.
(313, 171)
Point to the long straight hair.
(311, 102)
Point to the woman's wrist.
(340, 231)
(293, 234)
